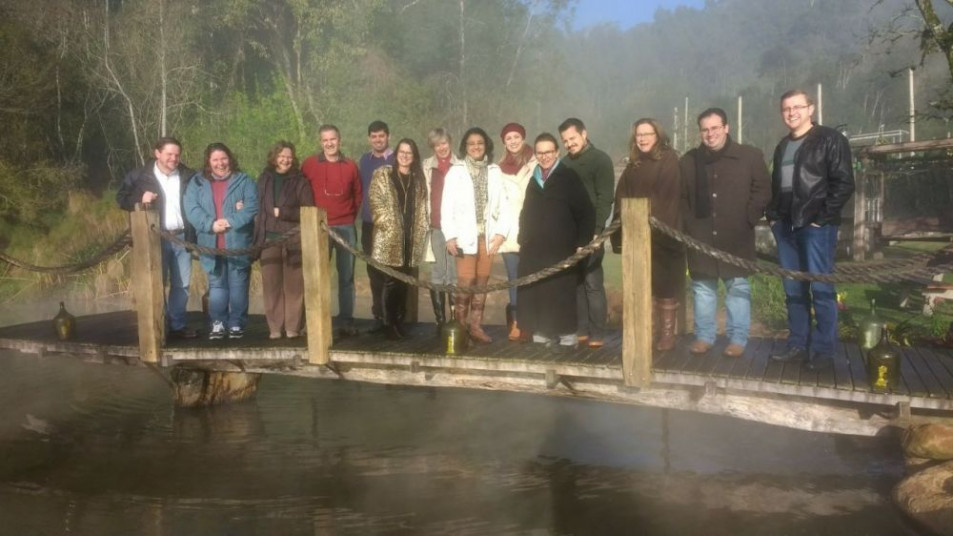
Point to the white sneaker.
(218, 331)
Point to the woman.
(517, 167)
(398, 204)
(444, 270)
(282, 191)
(221, 203)
(653, 172)
(475, 222)
(557, 218)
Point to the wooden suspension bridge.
(625, 370)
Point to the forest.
(86, 86)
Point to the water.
(100, 450)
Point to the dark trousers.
(591, 304)
(393, 297)
(375, 276)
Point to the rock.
(206, 388)
(915, 465)
(927, 497)
(933, 441)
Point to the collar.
(159, 174)
(387, 154)
(322, 158)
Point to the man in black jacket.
(813, 179)
(161, 183)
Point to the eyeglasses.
(546, 153)
(797, 108)
(646, 135)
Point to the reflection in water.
(88, 449)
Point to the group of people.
(532, 206)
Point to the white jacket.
(515, 188)
(458, 208)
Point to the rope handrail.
(124, 240)
(291, 236)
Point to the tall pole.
(675, 129)
(820, 104)
(913, 107)
(740, 129)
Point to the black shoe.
(378, 326)
(184, 333)
(791, 355)
(819, 362)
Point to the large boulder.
(932, 441)
(206, 388)
(927, 497)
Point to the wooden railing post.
(636, 293)
(147, 282)
(317, 284)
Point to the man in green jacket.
(595, 169)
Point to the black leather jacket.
(823, 179)
(142, 180)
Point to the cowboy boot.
(438, 299)
(513, 328)
(461, 303)
(668, 311)
(476, 319)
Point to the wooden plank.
(147, 282)
(759, 361)
(637, 290)
(772, 368)
(911, 378)
(909, 146)
(930, 381)
(825, 378)
(858, 368)
(942, 366)
(317, 284)
(842, 378)
(740, 365)
(791, 373)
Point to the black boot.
(438, 299)
(390, 299)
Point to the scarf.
(512, 163)
(703, 157)
(478, 173)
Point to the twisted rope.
(560, 266)
(290, 237)
(118, 245)
(916, 268)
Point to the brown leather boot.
(461, 303)
(478, 302)
(668, 311)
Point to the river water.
(100, 450)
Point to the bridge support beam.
(317, 284)
(637, 293)
(147, 282)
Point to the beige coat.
(515, 188)
(389, 225)
(429, 164)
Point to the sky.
(625, 13)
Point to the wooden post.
(636, 293)
(860, 213)
(147, 282)
(317, 284)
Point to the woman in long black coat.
(557, 219)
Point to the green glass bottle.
(64, 324)
(883, 365)
(871, 328)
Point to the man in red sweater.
(336, 184)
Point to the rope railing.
(124, 240)
(292, 236)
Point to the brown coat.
(657, 180)
(740, 188)
(295, 193)
(388, 247)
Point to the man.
(725, 187)
(813, 179)
(336, 185)
(161, 183)
(597, 173)
(378, 136)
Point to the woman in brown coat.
(282, 191)
(398, 203)
(653, 172)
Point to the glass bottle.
(64, 324)
(883, 365)
(871, 328)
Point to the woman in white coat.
(475, 220)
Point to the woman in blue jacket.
(221, 203)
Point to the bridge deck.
(926, 374)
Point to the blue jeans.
(737, 307)
(511, 261)
(228, 292)
(345, 266)
(591, 305)
(809, 249)
(444, 271)
(177, 273)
